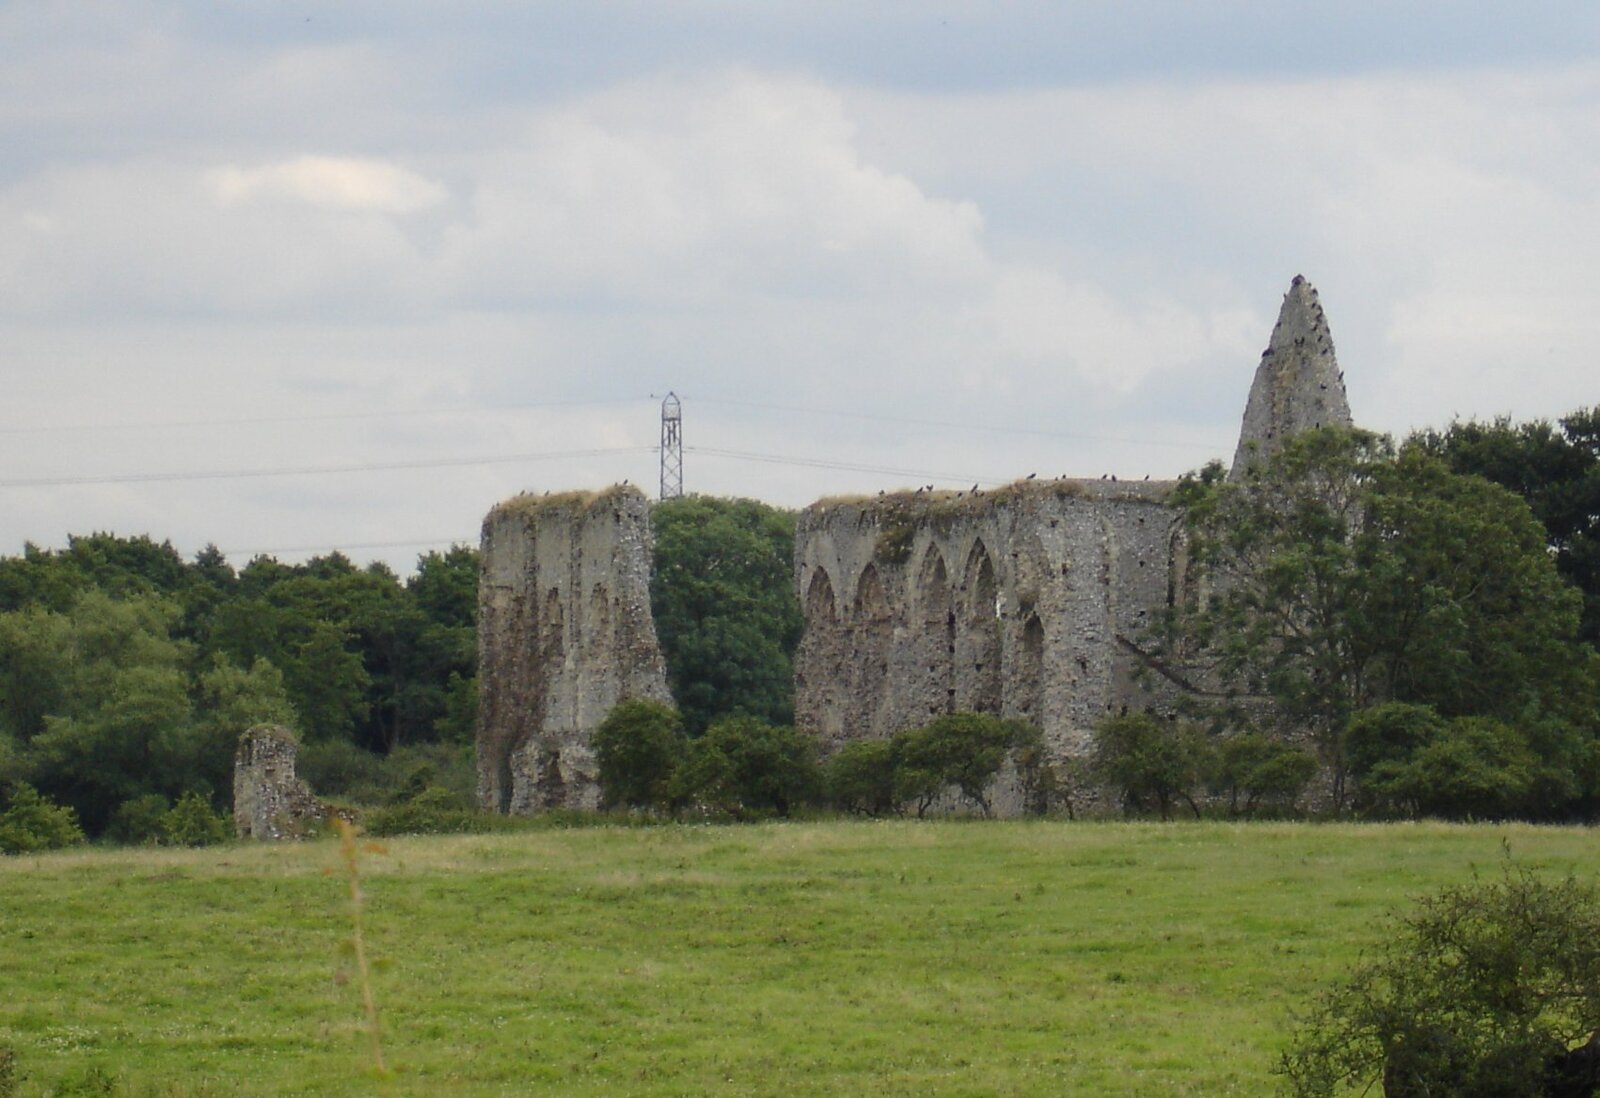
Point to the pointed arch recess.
(977, 662)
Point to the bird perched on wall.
(1030, 476)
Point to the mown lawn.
(949, 958)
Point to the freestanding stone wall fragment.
(1038, 600)
(1034, 601)
(1298, 385)
(269, 801)
(564, 633)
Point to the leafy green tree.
(227, 701)
(31, 822)
(35, 669)
(859, 778)
(1556, 469)
(1252, 769)
(134, 738)
(1149, 760)
(965, 750)
(324, 676)
(728, 620)
(743, 765)
(1388, 734)
(1473, 768)
(1486, 991)
(1039, 777)
(193, 822)
(637, 748)
(104, 706)
(1343, 576)
(139, 819)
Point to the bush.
(139, 820)
(860, 776)
(433, 811)
(637, 748)
(31, 822)
(193, 822)
(1256, 769)
(964, 750)
(338, 768)
(1409, 760)
(1150, 760)
(1478, 768)
(1387, 733)
(744, 765)
(1484, 992)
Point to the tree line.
(1420, 619)
(1416, 623)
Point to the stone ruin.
(564, 633)
(1298, 385)
(269, 802)
(1032, 601)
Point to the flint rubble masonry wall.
(270, 802)
(1035, 600)
(564, 633)
(1298, 384)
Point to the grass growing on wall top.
(818, 958)
(529, 503)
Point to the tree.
(102, 705)
(964, 750)
(859, 777)
(1343, 576)
(1258, 768)
(726, 614)
(1486, 991)
(742, 764)
(1556, 469)
(31, 822)
(1148, 759)
(637, 748)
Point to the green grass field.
(954, 958)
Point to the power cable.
(1007, 429)
(319, 470)
(848, 466)
(245, 421)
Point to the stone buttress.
(564, 633)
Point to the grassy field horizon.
(895, 957)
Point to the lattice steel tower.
(671, 447)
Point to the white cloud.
(330, 182)
(692, 191)
(1101, 260)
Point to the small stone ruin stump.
(269, 802)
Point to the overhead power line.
(849, 466)
(319, 470)
(246, 421)
(1004, 429)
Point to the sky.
(290, 277)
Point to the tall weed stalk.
(348, 852)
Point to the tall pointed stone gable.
(1298, 385)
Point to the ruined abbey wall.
(1036, 601)
(564, 633)
(1298, 384)
(1033, 601)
